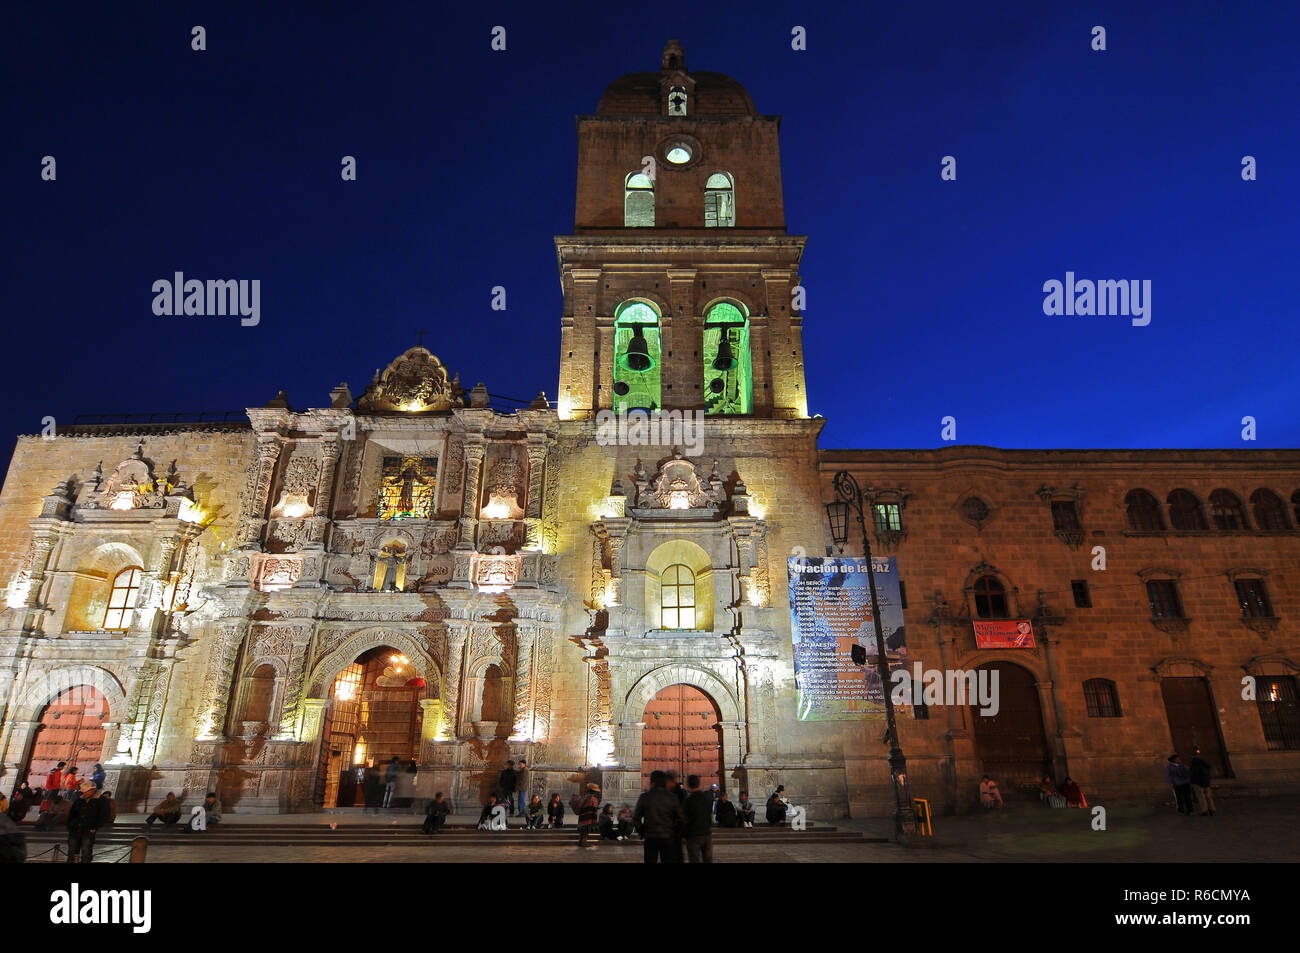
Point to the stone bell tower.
(679, 277)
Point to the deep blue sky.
(924, 297)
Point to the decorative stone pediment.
(416, 382)
(677, 492)
(133, 485)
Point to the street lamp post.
(850, 497)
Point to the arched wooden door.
(1011, 744)
(682, 734)
(71, 730)
(1193, 721)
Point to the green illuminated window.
(728, 375)
(637, 366)
(638, 201)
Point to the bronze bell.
(637, 357)
(726, 360)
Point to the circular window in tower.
(679, 153)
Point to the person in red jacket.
(71, 784)
(54, 782)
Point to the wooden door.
(682, 734)
(71, 730)
(1193, 722)
(1011, 743)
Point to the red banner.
(1004, 634)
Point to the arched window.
(990, 598)
(719, 201)
(728, 372)
(1185, 513)
(637, 371)
(126, 587)
(259, 695)
(1102, 698)
(1226, 511)
(1144, 512)
(638, 201)
(677, 597)
(1270, 512)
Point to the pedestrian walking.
(588, 808)
(391, 772)
(374, 790)
(1201, 773)
(1179, 777)
(54, 782)
(85, 818)
(659, 817)
(699, 822)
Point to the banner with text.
(830, 611)
(1004, 634)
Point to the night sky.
(924, 297)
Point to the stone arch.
(43, 687)
(96, 568)
(1186, 666)
(1030, 663)
(1275, 664)
(674, 673)
(327, 669)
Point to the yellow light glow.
(498, 509)
(346, 692)
(125, 500)
(564, 408)
(756, 509)
(190, 512)
(359, 755)
(295, 510)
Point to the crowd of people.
(66, 801)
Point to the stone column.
(523, 730)
(457, 634)
(474, 450)
(430, 728)
(159, 684)
(38, 554)
(253, 519)
(321, 509)
(219, 677)
(291, 707)
(313, 718)
(536, 449)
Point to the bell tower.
(679, 276)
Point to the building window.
(406, 488)
(1065, 516)
(1082, 597)
(719, 201)
(1270, 513)
(1279, 712)
(677, 100)
(638, 201)
(728, 372)
(126, 586)
(677, 595)
(1102, 698)
(1226, 511)
(1253, 599)
(1163, 596)
(637, 369)
(975, 509)
(1144, 512)
(888, 517)
(1185, 513)
(990, 598)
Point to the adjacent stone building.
(276, 607)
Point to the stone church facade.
(273, 608)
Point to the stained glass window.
(406, 488)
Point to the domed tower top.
(675, 92)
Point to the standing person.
(1200, 775)
(168, 811)
(1180, 779)
(391, 772)
(506, 782)
(97, 777)
(406, 786)
(659, 817)
(725, 812)
(746, 811)
(555, 812)
(54, 782)
(71, 784)
(435, 815)
(374, 790)
(989, 794)
(588, 808)
(535, 811)
(85, 817)
(699, 822)
(521, 784)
